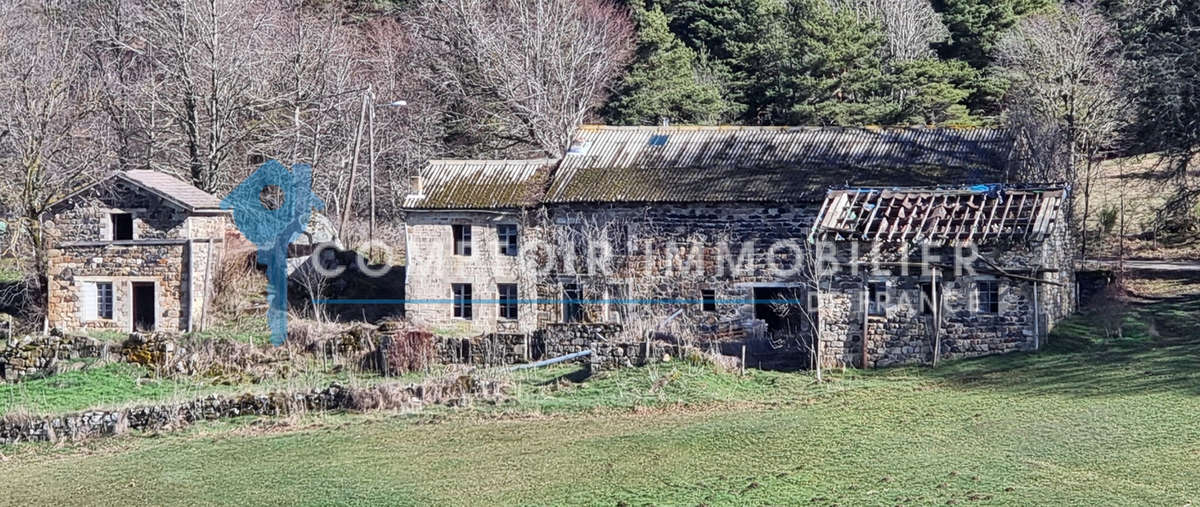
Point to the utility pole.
(371, 176)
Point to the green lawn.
(1079, 423)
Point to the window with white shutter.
(87, 300)
(96, 300)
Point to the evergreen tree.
(976, 25)
(663, 81)
(836, 73)
(932, 91)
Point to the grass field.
(1083, 422)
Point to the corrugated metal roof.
(704, 164)
(173, 189)
(462, 184)
(939, 216)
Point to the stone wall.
(100, 423)
(905, 335)
(729, 243)
(432, 267)
(726, 247)
(85, 217)
(43, 355)
(610, 346)
(165, 266)
(484, 350)
(170, 248)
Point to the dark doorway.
(777, 306)
(788, 341)
(143, 306)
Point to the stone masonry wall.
(163, 265)
(679, 234)
(170, 249)
(903, 335)
(432, 267)
(40, 355)
(98, 423)
(85, 217)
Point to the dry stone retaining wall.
(98, 423)
(41, 355)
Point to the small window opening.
(462, 300)
(122, 226)
(708, 300)
(876, 298)
(508, 300)
(506, 234)
(987, 294)
(104, 300)
(571, 306)
(462, 239)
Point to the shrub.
(411, 350)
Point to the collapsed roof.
(939, 216)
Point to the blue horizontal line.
(557, 301)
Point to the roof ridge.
(718, 128)
(464, 161)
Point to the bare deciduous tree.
(51, 127)
(911, 26)
(530, 71)
(209, 89)
(1064, 101)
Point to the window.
(572, 309)
(462, 300)
(104, 300)
(616, 305)
(876, 298)
(462, 239)
(987, 296)
(708, 300)
(927, 301)
(508, 300)
(122, 226)
(96, 300)
(507, 236)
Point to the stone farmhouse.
(134, 251)
(847, 246)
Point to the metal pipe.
(548, 362)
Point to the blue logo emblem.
(272, 230)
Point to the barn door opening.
(143, 306)
(788, 342)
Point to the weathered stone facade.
(174, 252)
(708, 234)
(716, 235)
(437, 267)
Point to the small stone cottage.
(135, 251)
(717, 233)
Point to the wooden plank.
(821, 218)
(1004, 216)
(929, 211)
(850, 209)
(979, 215)
(987, 228)
(871, 217)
